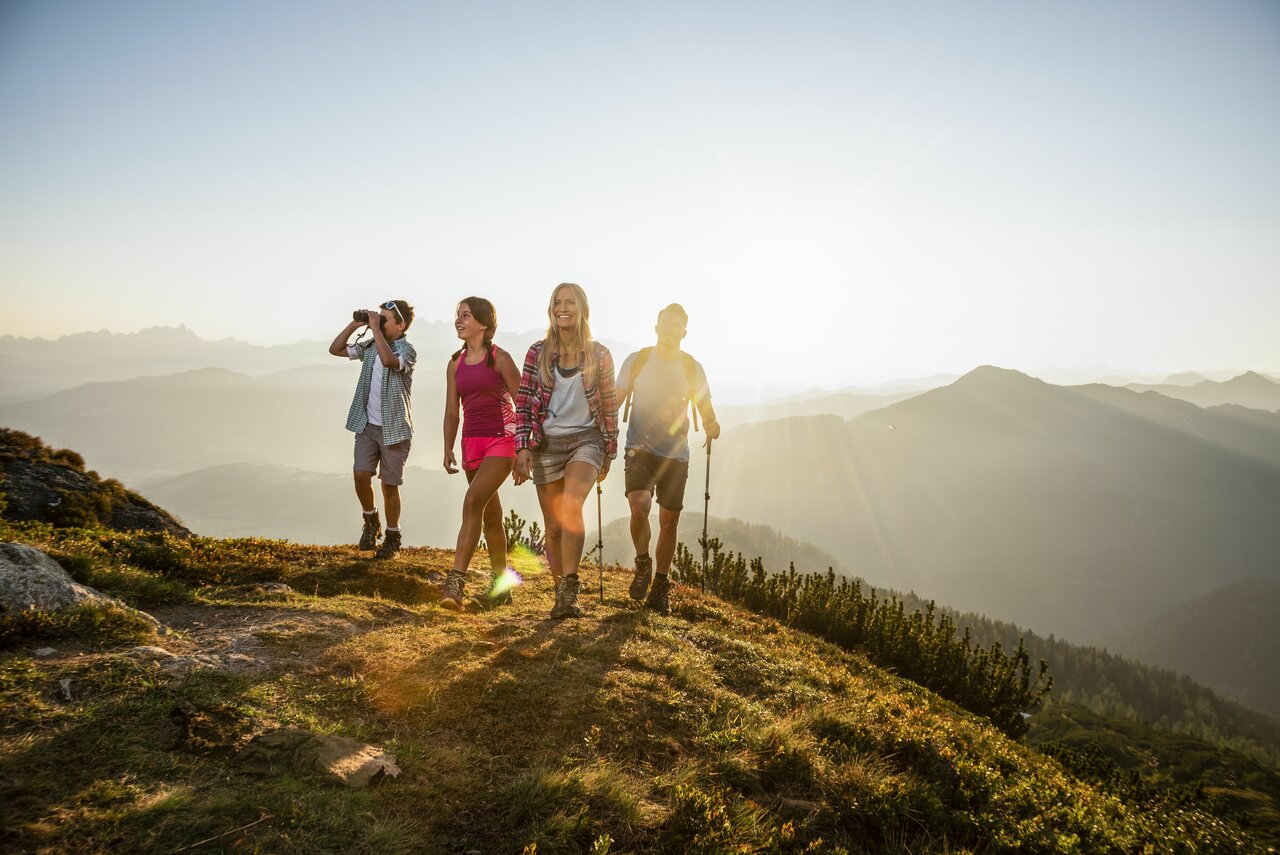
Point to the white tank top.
(568, 410)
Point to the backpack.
(690, 376)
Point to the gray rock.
(336, 758)
(65, 685)
(30, 579)
(43, 652)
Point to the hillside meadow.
(711, 730)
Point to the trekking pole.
(706, 503)
(600, 542)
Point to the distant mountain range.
(34, 368)
(150, 426)
(1073, 511)
(1250, 389)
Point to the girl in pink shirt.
(483, 379)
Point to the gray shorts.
(559, 451)
(372, 455)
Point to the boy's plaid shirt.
(532, 400)
(397, 408)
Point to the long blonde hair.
(582, 333)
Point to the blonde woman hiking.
(566, 432)
(482, 378)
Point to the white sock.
(389, 528)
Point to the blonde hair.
(582, 334)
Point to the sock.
(372, 513)
(661, 575)
(572, 576)
(389, 528)
(646, 555)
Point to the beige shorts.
(374, 456)
(559, 451)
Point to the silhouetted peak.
(994, 377)
(1251, 380)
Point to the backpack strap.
(691, 377)
(637, 365)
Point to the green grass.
(712, 730)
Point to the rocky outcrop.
(39, 483)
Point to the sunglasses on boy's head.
(391, 304)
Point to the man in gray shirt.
(662, 381)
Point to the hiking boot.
(453, 585)
(566, 599)
(372, 531)
(390, 545)
(487, 599)
(660, 596)
(643, 576)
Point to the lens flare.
(505, 581)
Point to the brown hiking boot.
(660, 596)
(491, 597)
(642, 577)
(390, 546)
(372, 531)
(453, 585)
(566, 599)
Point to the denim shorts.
(559, 451)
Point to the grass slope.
(711, 730)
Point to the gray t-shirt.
(659, 421)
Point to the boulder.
(30, 579)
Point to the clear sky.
(839, 193)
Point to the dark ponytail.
(484, 312)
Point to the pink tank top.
(486, 404)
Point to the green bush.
(76, 509)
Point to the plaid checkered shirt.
(532, 400)
(397, 408)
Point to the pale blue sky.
(838, 192)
